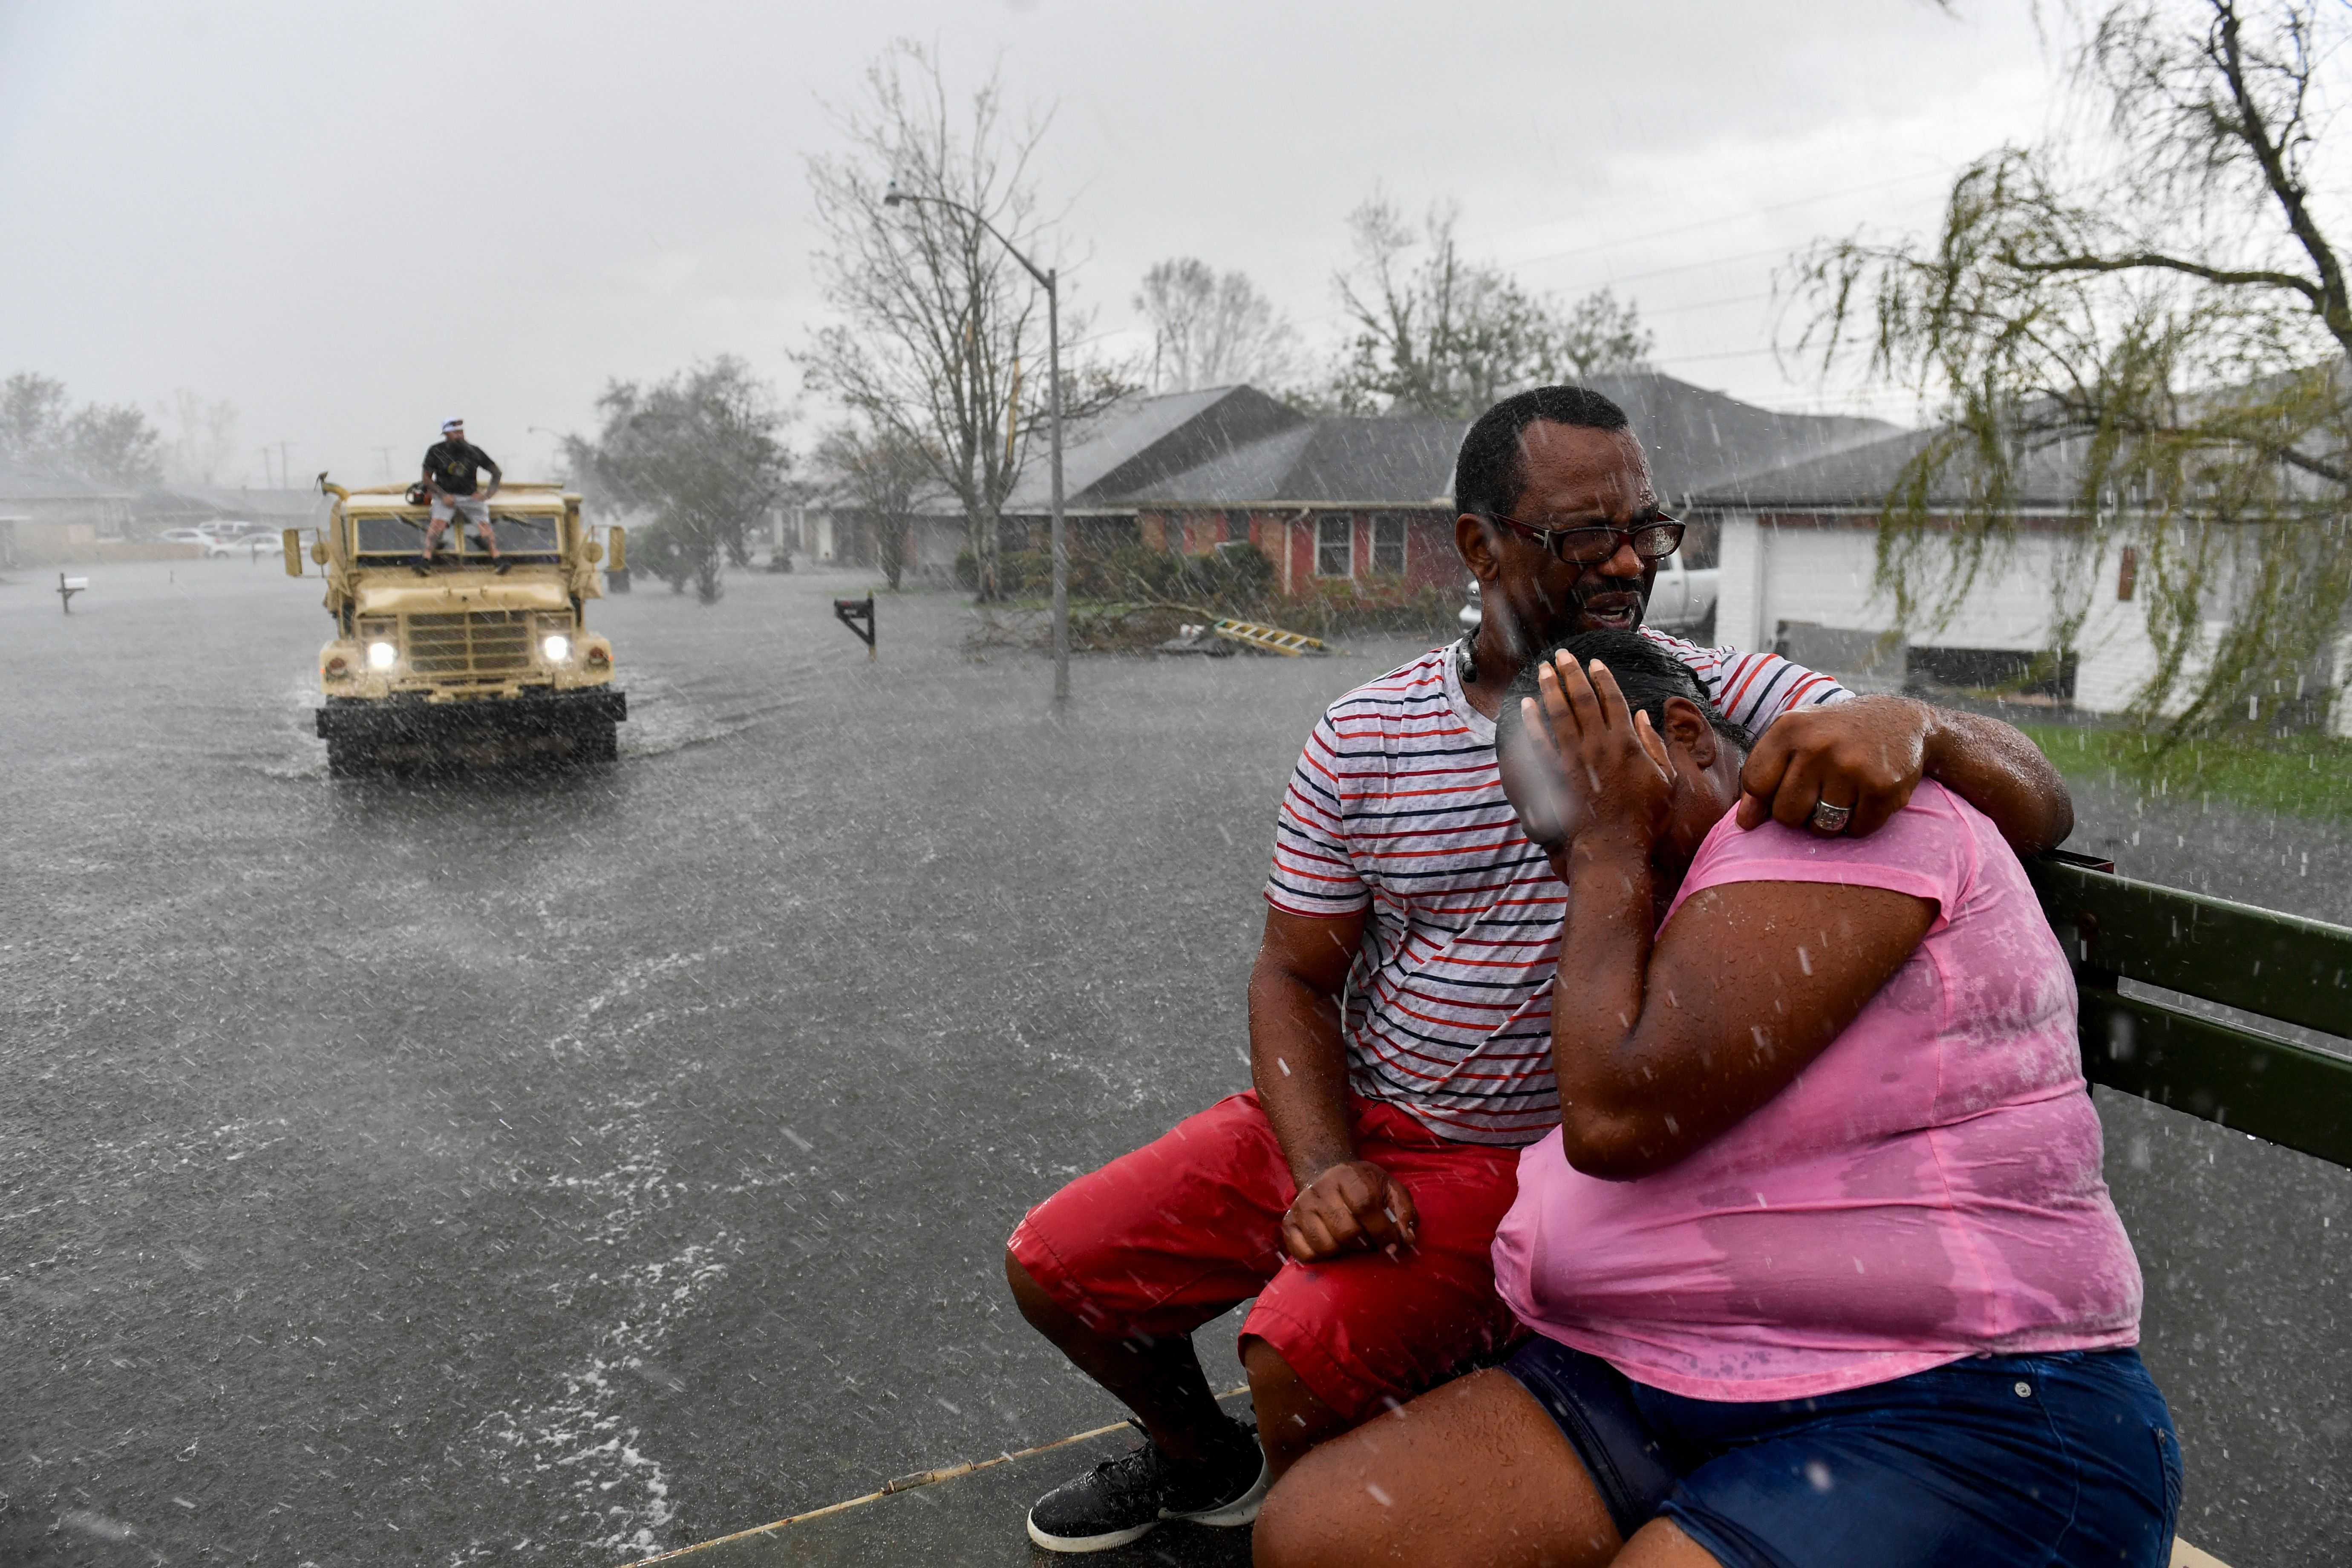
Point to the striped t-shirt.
(1396, 805)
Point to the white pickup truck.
(1682, 601)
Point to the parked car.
(214, 549)
(228, 530)
(1682, 601)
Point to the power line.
(1706, 304)
(1729, 353)
(1734, 217)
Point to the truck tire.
(346, 760)
(1703, 634)
(598, 743)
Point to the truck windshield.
(523, 535)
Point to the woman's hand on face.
(1609, 757)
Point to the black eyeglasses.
(1652, 540)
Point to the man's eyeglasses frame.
(1555, 540)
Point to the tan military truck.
(461, 663)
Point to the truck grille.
(486, 642)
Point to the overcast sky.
(355, 220)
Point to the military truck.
(460, 663)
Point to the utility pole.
(384, 455)
(268, 482)
(1049, 280)
(285, 481)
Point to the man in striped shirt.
(1399, 1008)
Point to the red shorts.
(1159, 1241)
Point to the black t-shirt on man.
(449, 465)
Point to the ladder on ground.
(1272, 639)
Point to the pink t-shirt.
(1928, 1188)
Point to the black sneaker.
(505, 565)
(422, 566)
(1126, 1499)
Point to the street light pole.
(1060, 537)
(1049, 280)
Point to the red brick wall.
(1287, 539)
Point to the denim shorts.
(2064, 1459)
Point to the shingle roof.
(1391, 461)
(193, 504)
(1864, 476)
(1238, 447)
(17, 485)
(1699, 439)
(1141, 440)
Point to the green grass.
(2299, 776)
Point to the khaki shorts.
(473, 508)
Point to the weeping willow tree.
(2149, 302)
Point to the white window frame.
(1345, 523)
(1402, 527)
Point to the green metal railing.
(2277, 967)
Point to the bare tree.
(879, 473)
(1208, 330)
(2157, 291)
(1438, 333)
(202, 438)
(939, 322)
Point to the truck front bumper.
(393, 720)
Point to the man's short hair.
(1645, 673)
(1491, 469)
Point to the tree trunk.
(984, 531)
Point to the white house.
(1798, 565)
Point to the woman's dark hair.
(1490, 470)
(1646, 673)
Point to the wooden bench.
(2273, 972)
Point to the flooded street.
(555, 1169)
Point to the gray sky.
(353, 221)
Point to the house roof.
(1391, 460)
(1698, 441)
(227, 501)
(1863, 476)
(19, 486)
(1140, 441)
(1234, 447)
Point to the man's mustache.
(1525, 642)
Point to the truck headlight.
(383, 656)
(556, 648)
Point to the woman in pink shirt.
(1819, 1265)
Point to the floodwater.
(553, 1169)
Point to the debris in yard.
(1269, 639)
(1193, 638)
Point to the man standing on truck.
(1399, 1008)
(451, 467)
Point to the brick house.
(1364, 500)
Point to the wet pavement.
(559, 1169)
